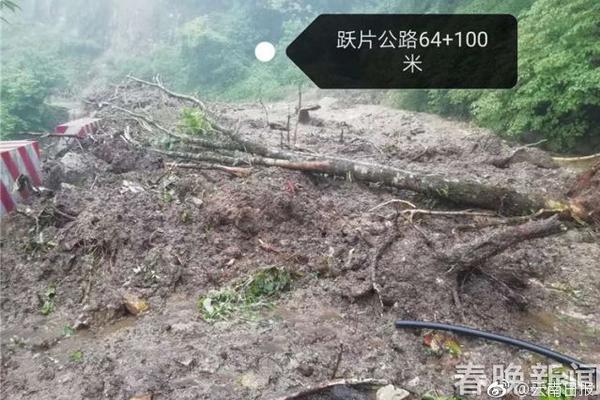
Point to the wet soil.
(121, 224)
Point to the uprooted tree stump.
(303, 113)
(585, 195)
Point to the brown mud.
(121, 224)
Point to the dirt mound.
(125, 229)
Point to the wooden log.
(468, 192)
(460, 191)
(467, 256)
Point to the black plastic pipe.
(463, 330)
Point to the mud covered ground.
(121, 225)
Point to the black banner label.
(394, 51)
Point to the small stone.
(414, 382)
(93, 390)
(146, 396)
(133, 187)
(134, 304)
(344, 392)
(196, 201)
(187, 362)
(75, 167)
(82, 322)
(306, 369)
(186, 382)
(46, 374)
(390, 392)
(233, 252)
(251, 380)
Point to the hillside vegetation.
(59, 47)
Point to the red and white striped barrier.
(18, 159)
(78, 128)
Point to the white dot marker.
(264, 51)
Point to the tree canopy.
(206, 46)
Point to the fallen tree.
(230, 148)
(459, 191)
(226, 149)
(467, 256)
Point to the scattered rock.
(67, 187)
(251, 380)
(390, 392)
(54, 174)
(93, 389)
(305, 369)
(146, 396)
(75, 167)
(132, 187)
(134, 304)
(82, 322)
(196, 201)
(47, 374)
(185, 382)
(414, 382)
(232, 252)
(187, 362)
(344, 392)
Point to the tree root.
(239, 172)
(466, 257)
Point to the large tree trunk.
(460, 191)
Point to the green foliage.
(207, 50)
(273, 80)
(68, 331)
(248, 296)
(26, 84)
(266, 283)
(76, 356)
(48, 301)
(208, 47)
(194, 122)
(414, 100)
(10, 5)
(514, 7)
(558, 94)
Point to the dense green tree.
(208, 46)
(24, 93)
(558, 94)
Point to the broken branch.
(239, 172)
(466, 257)
(460, 191)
